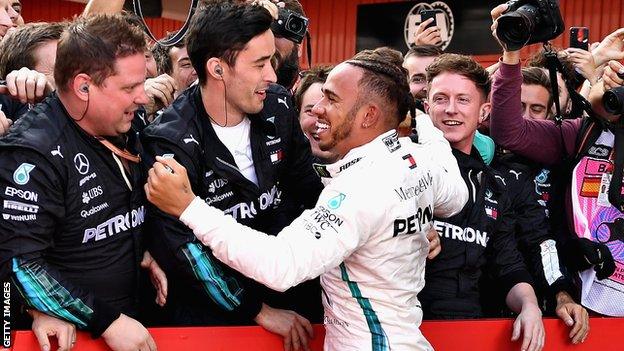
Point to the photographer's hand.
(509, 57)
(613, 75)
(427, 36)
(611, 48)
(584, 62)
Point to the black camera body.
(290, 25)
(613, 101)
(528, 22)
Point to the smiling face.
(338, 110)
(111, 105)
(182, 70)
(308, 120)
(456, 107)
(415, 66)
(248, 79)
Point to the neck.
(215, 102)
(77, 110)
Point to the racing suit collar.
(386, 142)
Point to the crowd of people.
(213, 182)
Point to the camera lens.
(613, 101)
(295, 25)
(515, 28)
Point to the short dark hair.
(463, 65)
(92, 45)
(162, 54)
(424, 51)
(294, 6)
(316, 74)
(537, 76)
(384, 77)
(18, 48)
(222, 30)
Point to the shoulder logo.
(336, 201)
(81, 162)
(57, 151)
(517, 174)
(282, 101)
(392, 142)
(21, 175)
(190, 139)
(411, 160)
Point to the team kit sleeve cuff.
(104, 315)
(202, 218)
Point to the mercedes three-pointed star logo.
(82, 163)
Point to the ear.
(426, 105)
(372, 115)
(484, 112)
(213, 67)
(78, 85)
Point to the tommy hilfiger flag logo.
(491, 212)
(277, 156)
(411, 160)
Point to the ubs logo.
(81, 162)
(445, 21)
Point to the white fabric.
(236, 139)
(354, 239)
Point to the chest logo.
(81, 162)
(21, 175)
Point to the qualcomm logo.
(445, 21)
(81, 163)
(21, 175)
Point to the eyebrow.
(186, 58)
(263, 58)
(328, 92)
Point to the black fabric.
(286, 183)
(478, 242)
(76, 223)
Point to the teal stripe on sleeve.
(223, 290)
(44, 293)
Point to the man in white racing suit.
(366, 236)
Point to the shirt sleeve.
(539, 140)
(33, 207)
(450, 190)
(317, 241)
(194, 262)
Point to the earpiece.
(84, 88)
(219, 70)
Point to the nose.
(141, 98)
(318, 109)
(12, 14)
(5, 19)
(451, 107)
(269, 73)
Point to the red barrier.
(482, 335)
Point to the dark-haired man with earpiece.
(238, 135)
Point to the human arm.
(521, 299)
(95, 7)
(44, 327)
(29, 227)
(319, 240)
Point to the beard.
(288, 69)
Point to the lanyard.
(117, 151)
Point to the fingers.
(610, 76)
(151, 343)
(288, 342)
(42, 339)
(296, 338)
(526, 338)
(5, 123)
(498, 11)
(423, 26)
(28, 86)
(581, 326)
(171, 162)
(72, 332)
(307, 325)
(64, 339)
(517, 328)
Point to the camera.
(290, 25)
(613, 101)
(528, 22)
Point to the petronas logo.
(336, 201)
(21, 175)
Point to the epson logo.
(22, 194)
